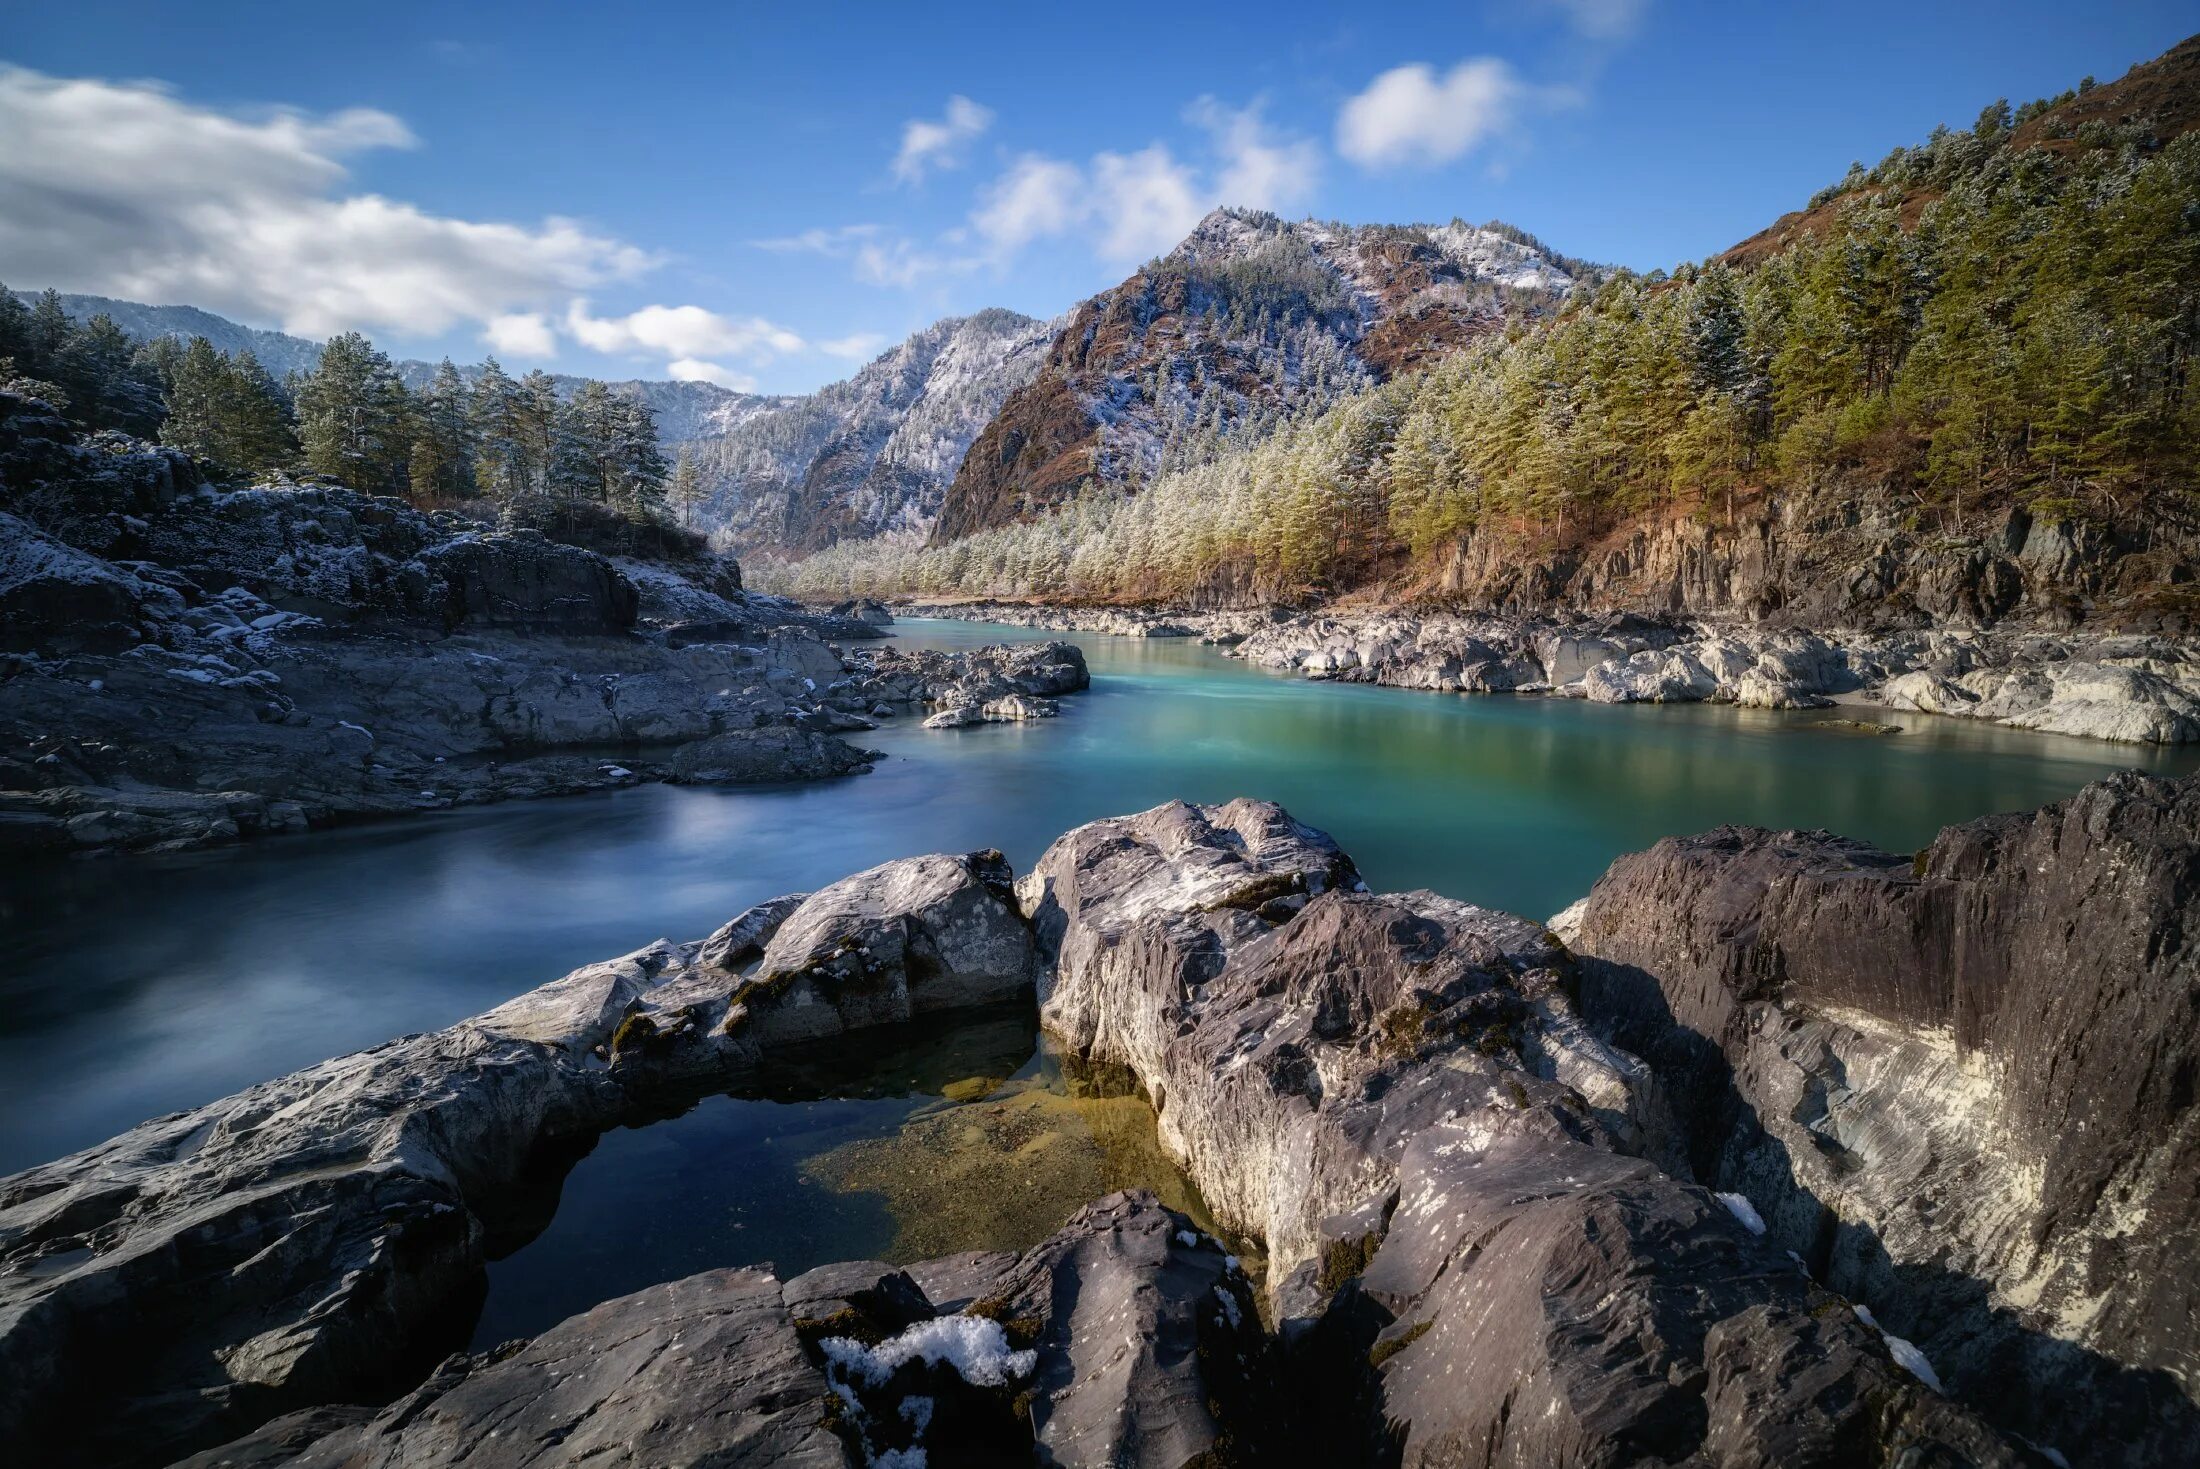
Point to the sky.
(766, 196)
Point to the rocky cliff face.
(1249, 320)
(1959, 1087)
(1845, 556)
(872, 455)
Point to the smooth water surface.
(137, 987)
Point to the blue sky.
(765, 195)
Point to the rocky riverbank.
(2137, 688)
(182, 666)
(1784, 1135)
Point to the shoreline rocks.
(1958, 1085)
(182, 666)
(1735, 1163)
(316, 1239)
(2134, 688)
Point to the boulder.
(902, 939)
(1550, 1302)
(1951, 1084)
(1126, 1341)
(762, 756)
(1283, 1024)
(524, 580)
(703, 1371)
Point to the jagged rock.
(316, 1238)
(1031, 673)
(756, 756)
(1126, 1341)
(903, 939)
(1953, 1085)
(742, 940)
(703, 1371)
(1282, 1022)
(54, 597)
(1550, 1302)
(863, 609)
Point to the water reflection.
(136, 988)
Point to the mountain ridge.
(1248, 321)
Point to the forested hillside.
(584, 465)
(1991, 331)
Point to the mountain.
(1249, 321)
(873, 455)
(684, 410)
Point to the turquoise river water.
(134, 988)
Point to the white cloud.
(835, 240)
(694, 370)
(521, 334)
(1411, 115)
(1144, 202)
(856, 346)
(123, 189)
(1136, 205)
(1602, 20)
(1038, 196)
(929, 145)
(1259, 170)
(687, 332)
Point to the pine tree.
(352, 413)
(447, 426)
(256, 417)
(499, 456)
(194, 404)
(685, 492)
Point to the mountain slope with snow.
(873, 455)
(1251, 320)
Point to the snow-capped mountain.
(872, 455)
(1250, 320)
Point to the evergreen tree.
(353, 417)
(685, 492)
(494, 422)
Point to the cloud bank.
(124, 189)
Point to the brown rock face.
(1249, 318)
(1961, 1087)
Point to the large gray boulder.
(903, 939)
(315, 1239)
(702, 1371)
(1959, 1086)
(1551, 1302)
(1126, 1341)
(1292, 1033)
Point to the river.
(142, 986)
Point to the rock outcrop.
(1783, 1134)
(1005, 684)
(319, 1238)
(2141, 689)
(1396, 1096)
(180, 666)
(1128, 1339)
(1958, 1086)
